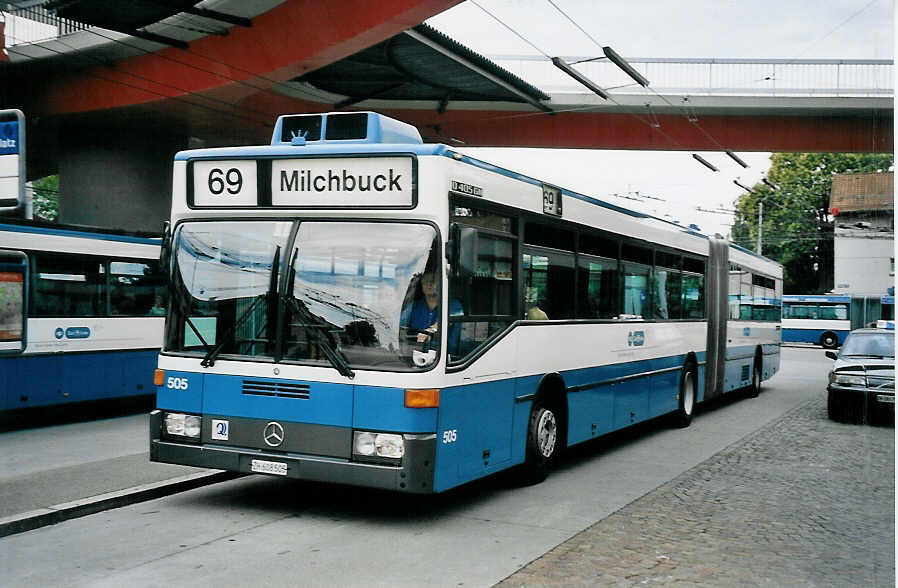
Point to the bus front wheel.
(829, 340)
(542, 444)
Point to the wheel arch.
(552, 391)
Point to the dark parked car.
(862, 382)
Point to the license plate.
(268, 467)
(885, 398)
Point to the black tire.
(834, 407)
(829, 340)
(543, 444)
(754, 389)
(846, 408)
(687, 397)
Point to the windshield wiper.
(313, 327)
(209, 360)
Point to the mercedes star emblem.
(273, 434)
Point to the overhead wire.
(689, 115)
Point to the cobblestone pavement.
(803, 501)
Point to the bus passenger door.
(13, 322)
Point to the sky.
(803, 29)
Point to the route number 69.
(177, 383)
(450, 436)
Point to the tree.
(46, 198)
(797, 227)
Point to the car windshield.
(341, 295)
(869, 345)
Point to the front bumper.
(415, 475)
(861, 405)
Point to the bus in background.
(819, 319)
(351, 305)
(887, 312)
(81, 314)
(826, 319)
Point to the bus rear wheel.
(754, 388)
(542, 444)
(687, 396)
(829, 340)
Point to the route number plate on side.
(268, 467)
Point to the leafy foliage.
(46, 198)
(797, 229)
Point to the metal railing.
(33, 24)
(712, 76)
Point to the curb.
(58, 513)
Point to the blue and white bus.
(351, 305)
(81, 314)
(826, 319)
(887, 312)
(816, 318)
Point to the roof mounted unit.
(342, 128)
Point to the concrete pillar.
(117, 175)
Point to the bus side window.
(136, 289)
(68, 285)
(481, 293)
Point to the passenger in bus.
(534, 299)
(158, 308)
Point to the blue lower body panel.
(66, 378)
(811, 335)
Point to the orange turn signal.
(158, 377)
(429, 398)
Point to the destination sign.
(357, 182)
(360, 182)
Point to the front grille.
(279, 389)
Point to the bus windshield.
(346, 297)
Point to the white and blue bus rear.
(352, 305)
(81, 314)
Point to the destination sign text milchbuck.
(356, 182)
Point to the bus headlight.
(363, 443)
(183, 425)
(388, 447)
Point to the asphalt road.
(265, 531)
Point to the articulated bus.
(826, 319)
(351, 305)
(81, 314)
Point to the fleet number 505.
(177, 383)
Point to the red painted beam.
(862, 134)
(292, 38)
(870, 133)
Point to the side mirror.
(165, 250)
(832, 355)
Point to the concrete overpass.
(108, 108)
